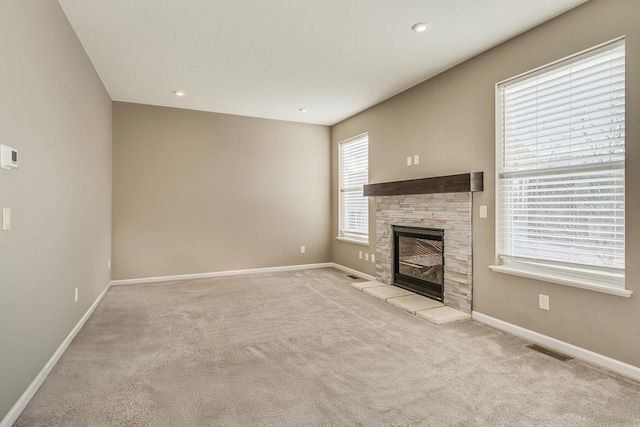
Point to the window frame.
(343, 234)
(610, 281)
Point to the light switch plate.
(409, 161)
(6, 218)
(416, 159)
(483, 211)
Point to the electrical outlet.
(409, 161)
(416, 159)
(373, 258)
(543, 302)
(483, 211)
(302, 249)
(366, 256)
(76, 295)
(360, 254)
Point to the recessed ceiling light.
(178, 93)
(303, 110)
(420, 27)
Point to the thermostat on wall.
(8, 157)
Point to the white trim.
(31, 390)
(354, 272)
(218, 274)
(227, 273)
(354, 241)
(567, 281)
(561, 346)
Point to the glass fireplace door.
(419, 260)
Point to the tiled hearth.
(450, 212)
(423, 307)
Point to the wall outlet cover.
(543, 302)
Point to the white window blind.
(354, 174)
(561, 158)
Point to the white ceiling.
(269, 58)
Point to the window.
(560, 171)
(354, 174)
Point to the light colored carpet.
(305, 349)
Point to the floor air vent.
(560, 357)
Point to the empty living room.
(336, 213)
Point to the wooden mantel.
(440, 184)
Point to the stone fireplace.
(442, 207)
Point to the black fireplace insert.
(418, 260)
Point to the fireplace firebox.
(418, 260)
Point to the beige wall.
(56, 112)
(201, 192)
(449, 122)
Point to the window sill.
(553, 277)
(357, 242)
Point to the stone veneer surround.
(450, 212)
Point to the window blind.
(561, 158)
(354, 174)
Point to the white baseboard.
(238, 273)
(219, 274)
(560, 346)
(28, 394)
